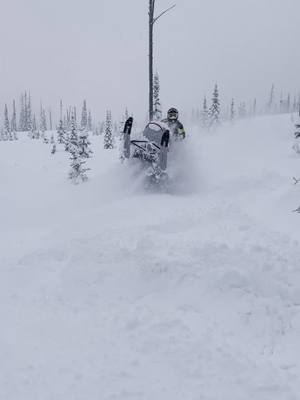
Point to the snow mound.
(108, 291)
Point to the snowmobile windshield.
(155, 127)
(153, 132)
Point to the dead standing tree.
(152, 20)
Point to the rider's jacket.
(176, 128)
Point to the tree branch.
(164, 12)
(296, 181)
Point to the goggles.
(173, 115)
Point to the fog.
(97, 49)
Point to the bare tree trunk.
(152, 21)
(151, 24)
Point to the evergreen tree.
(108, 139)
(6, 129)
(204, 114)
(288, 103)
(34, 132)
(22, 114)
(77, 172)
(281, 103)
(294, 104)
(232, 111)
(73, 136)
(14, 119)
(84, 116)
(61, 133)
(90, 122)
(156, 98)
(214, 110)
(43, 120)
(28, 113)
(84, 145)
(50, 120)
(271, 99)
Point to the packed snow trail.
(114, 293)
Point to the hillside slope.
(111, 292)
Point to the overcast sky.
(97, 49)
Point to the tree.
(288, 103)
(77, 172)
(13, 123)
(271, 99)
(84, 145)
(84, 116)
(90, 122)
(22, 120)
(204, 114)
(152, 21)
(28, 113)
(43, 120)
(108, 139)
(157, 105)
(34, 132)
(6, 130)
(50, 120)
(61, 133)
(232, 111)
(214, 110)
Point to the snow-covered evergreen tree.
(22, 117)
(13, 123)
(232, 111)
(270, 105)
(43, 120)
(204, 114)
(77, 172)
(214, 110)
(6, 129)
(34, 132)
(61, 133)
(50, 120)
(108, 138)
(156, 98)
(84, 145)
(288, 103)
(90, 122)
(84, 116)
(28, 113)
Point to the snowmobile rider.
(175, 126)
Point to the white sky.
(97, 49)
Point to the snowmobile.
(151, 149)
(296, 146)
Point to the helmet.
(173, 114)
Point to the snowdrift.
(111, 292)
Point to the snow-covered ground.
(111, 292)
